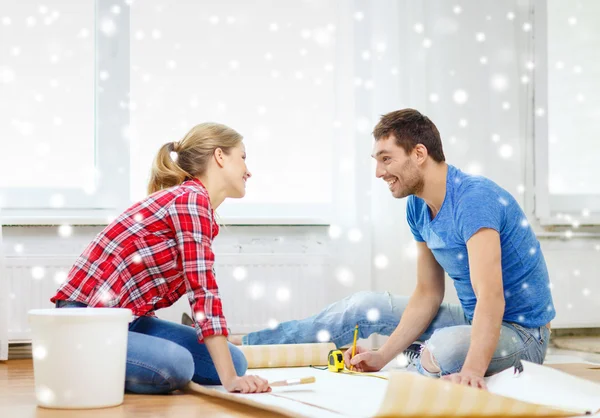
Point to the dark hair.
(410, 128)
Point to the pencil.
(354, 345)
(292, 382)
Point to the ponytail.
(165, 171)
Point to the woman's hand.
(247, 384)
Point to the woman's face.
(236, 171)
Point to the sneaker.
(412, 353)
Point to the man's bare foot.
(235, 339)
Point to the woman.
(159, 250)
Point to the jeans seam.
(166, 377)
(360, 322)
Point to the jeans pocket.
(523, 332)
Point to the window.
(270, 76)
(90, 91)
(56, 113)
(567, 132)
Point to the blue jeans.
(163, 356)
(447, 338)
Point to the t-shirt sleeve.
(479, 208)
(411, 217)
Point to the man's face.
(397, 168)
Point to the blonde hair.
(193, 153)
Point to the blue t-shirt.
(473, 203)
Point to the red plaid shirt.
(154, 253)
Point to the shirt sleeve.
(192, 221)
(479, 208)
(411, 218)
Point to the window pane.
(267, 75)
(574, 96)
(47, 94)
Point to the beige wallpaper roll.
(287, 355)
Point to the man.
(466, 226)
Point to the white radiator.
(257, 289)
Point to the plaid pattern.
(155, 252)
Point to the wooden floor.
(17, 400)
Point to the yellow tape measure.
(335, 363)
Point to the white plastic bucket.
(79, 356)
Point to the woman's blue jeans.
(163, 356)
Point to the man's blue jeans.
(447, 338)
(163, 356)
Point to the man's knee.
(429, 362)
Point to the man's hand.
(364, 360)
(247, 384)
(467, 378)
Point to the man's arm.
(422, 306)
(485, 263)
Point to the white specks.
(549, 308)
(503, 201)
(527, 26)
(532, 251)
(60, 277)
(460, 256)
(381, 261)
(31, 21)
(480, 37)
(577, 69)
(335, 231)
(57, 201)
(505, 105)
(411, 250)
(354, 235)
(580, 98)
(15, 51)
(530, 65)
(45, 395)
(559, 65)
(240, 273)
(38, 272)
(503, 353)
(137, 259)
(257, 291)
(272, 323)
(19, 248)
(569, 306)
(597, 247)
(174, 156)
(499, 82)
(495, 137)
(138, 217)
(576, 273)
(115, 9)
(572, 20)
(460, 96)
(200, 316)
(329, 67)
(299, 75)
(457, 9)
(231, 20)
(6, 21)
(540, 112)
(156, 34)
(568, 234)
(586, 213)
(510, 16)
(525, 285)
(401, 360)
(419, 28)
(506, 151)
(65, 231)
(57, 121)
(550, 286)
(507, 294)
(483, 60)
(524, 223)
(373, 314)
(108, 27)
(12, 296)
(171, 64)
(139, 35)
(586, 292)
(366, 55)
(358, 16)
(305, 33)
(273, 27)
(214, 20)
(344, 276)
(463, 123)
(427, 43)
(434, 98)
(40, 352)
(521, 318)
(394, 71)
(520, 189)
(108, 341)
(475, 169)
(282, 294)
(524, 79)
(323, 336)
(234, 65)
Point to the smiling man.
(465, 226)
